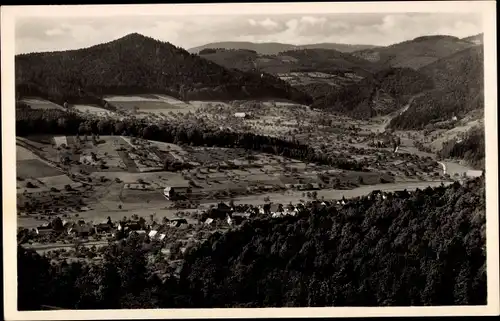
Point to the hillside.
(459, 83)
(471, 148)
(383, 93)
(313, 60)
(476, 39)
(273, 48)
(415, 53)
(425, 248)
(137, 64)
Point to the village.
(72, 240)
(59, 233)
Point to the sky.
(35, 34)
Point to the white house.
(241, 115)
(474, 173)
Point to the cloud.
(267, 23)
(313, 20)
(54, 32)
(37, 34)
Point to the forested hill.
(139, 64)
(306, 60)
(273, 48)
(382, 93)
(425, 248)
(476, 39)
(459, 83)
(415, 53)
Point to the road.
(42, 248)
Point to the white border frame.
(8, 17)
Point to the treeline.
(207, 51)
(139, 64)
(326, 60)
(459, 82)
(357, 100)
(411, 249)
(471, 148)
(31, 122)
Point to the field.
(39, 103)
(35, 168)
(93, 110)
(150, 106)
(306, 78)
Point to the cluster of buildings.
(109, 228)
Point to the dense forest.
(471, 148)
(32, 122)
(421, 248)
(459, 83)
(138, 64)
(328, 60)
(306, 60)
(357, 100)
(415, 53)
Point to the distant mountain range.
(274, 48)
(304, 60)
(415, 53)
(137, 64)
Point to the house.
(177, 222)
(152, 233)
(239, 217)
(103, 228)
(241, 115)
(176, 192)
(44, 229)
(224, 208)
(81, 230)
(162, 236)
(474, 173)
(209, 221)
(129, 226)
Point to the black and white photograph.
(249, 156)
